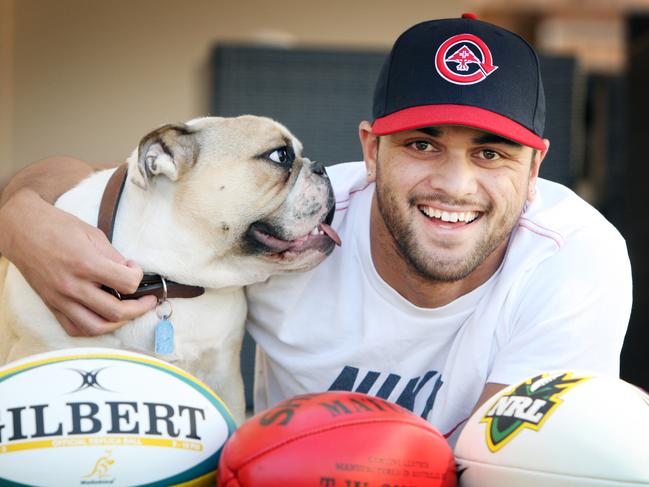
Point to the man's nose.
(456, 176)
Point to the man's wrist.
(22, 202)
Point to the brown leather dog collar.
(151, 283)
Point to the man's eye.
(490, 155)
(422, 145)
(282, 155)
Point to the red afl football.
(336, 439)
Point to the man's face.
(450, 196)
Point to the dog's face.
(241, 187)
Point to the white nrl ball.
(93, 417)
(559, 429)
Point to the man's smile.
(448, 216)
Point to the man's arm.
(64, 259)
(489, 390)
(49, 178)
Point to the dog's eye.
(282, 155)
(279, 155)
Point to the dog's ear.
(169, 150)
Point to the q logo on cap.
(464, 59)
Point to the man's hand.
(66, 261)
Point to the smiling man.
(461, 271)
(449, 197)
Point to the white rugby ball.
(559, 429)
(107, 417)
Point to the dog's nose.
(318, 168)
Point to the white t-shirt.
(560, 299)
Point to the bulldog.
(205, 207)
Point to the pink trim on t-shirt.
(349, 197)
(542, 231)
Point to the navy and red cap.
(461, 72)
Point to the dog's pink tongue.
(331, 233)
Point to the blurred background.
(88, 78)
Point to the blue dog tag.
(164, 337)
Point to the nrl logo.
(528, 405)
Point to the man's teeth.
(449, 216)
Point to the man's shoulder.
(347, 178)
(558, 212)
(349, 181)
(562, 238)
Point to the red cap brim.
(468, 116)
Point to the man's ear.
(534, 169)
(169, 150)
(370, 144)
